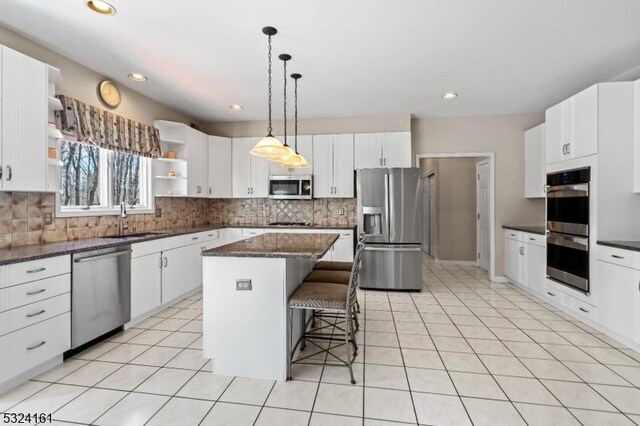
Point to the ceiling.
(357, 57)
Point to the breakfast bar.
(246, 289)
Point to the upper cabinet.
(572, 127)
(636, 136)
(305, 148)
(23, 123)
(219, 167)
(375, 150)
(185, 173)
(534, 162)
(250, 173)
(333, 166)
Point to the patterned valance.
(86, 123)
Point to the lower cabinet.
(181, 268)
(514, 260)
(525, 260)
(146, 284)
(535, 267)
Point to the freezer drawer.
(392, 267)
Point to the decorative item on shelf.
(289, 153)
(269, 145)
(172, 173)
(169, 193)
(296, 161)
(52, 153)
(171, 155)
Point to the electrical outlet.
(158, 212)
(243, 285)
(341, 212)
(47, 219)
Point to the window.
(96, 180)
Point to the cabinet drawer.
(24, 294)
(554, 295)
(536, 239)
(19, 273)
(581, 308)
(31, 346)
(34, 313)
(618, 256)
(251, 232)
(513, 235)
(156, 246)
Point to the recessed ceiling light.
(101, 7)
(236, 107)
(137, 76)
(449, 95)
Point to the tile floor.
(462, 351)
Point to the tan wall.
(81, 83)
(313, 126)
(455, 207)
(503, 135)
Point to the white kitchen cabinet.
(374, 150)
(220, 177)
(618, 296)
(146, 284)
(179, 272)
(535, 267)
(514, 260)
(250, 173)
(636, 136)
(534, 162)
(23, 123)
(333, 169)
(572, 127)
(197, 163)
(305, 148)
(342, 250)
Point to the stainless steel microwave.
(291, 187)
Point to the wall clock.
(109, 94)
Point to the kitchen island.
(246, 289)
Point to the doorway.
(428, 186)
(482, 214)
(482, 210)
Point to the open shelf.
(55, 76)
(170, 159)
(54, 133)
(170, 177)
(54, 162)
(54, 104)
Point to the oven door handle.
(564, 191)
(568, 241)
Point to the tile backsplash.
(22, 216)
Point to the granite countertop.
(625, 245)
(533, 229)
(278, 245)
(284, 227)
(41, 251)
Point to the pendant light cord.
(285, 103)
(269, 129)
(295, 96)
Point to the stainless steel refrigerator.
(389, 215)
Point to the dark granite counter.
(41, 251)
(278, 245)
(625, 245)
(541, 230)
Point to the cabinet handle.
(209, 190)
(34, 271)
(36, 346)
(0, 172)
(10, 173)
(194, 238)
(513, 235)
(35, 314)
(384, 161)
(166, 262)
(521, 250)
(532, 239)
(551, 294)
(32, 293)
(568, 148)
(583, 309)
(160, 262)
(615, 256)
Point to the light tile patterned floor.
(463, 351)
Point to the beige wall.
(503, 135)
(81, 83)
(312, 126)
(455, 207)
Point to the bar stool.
(328, 300)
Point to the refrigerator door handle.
(387, 226)
(392, 248)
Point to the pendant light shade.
(296, 161)
(287, 155)
(269, 146)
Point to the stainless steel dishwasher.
(100, 293)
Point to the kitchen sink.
(134, 235)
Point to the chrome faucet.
(123, 215)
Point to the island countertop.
(278, 245)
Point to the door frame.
(424, 177)
(491, 156)
(478, 164)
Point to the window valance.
(86, 123)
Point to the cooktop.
(290, 224)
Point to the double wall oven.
(568, 228)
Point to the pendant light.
(269, 145)
(287, 155)
(297, 161)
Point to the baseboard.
(500, 279)
(456, 262)
(30, 374)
